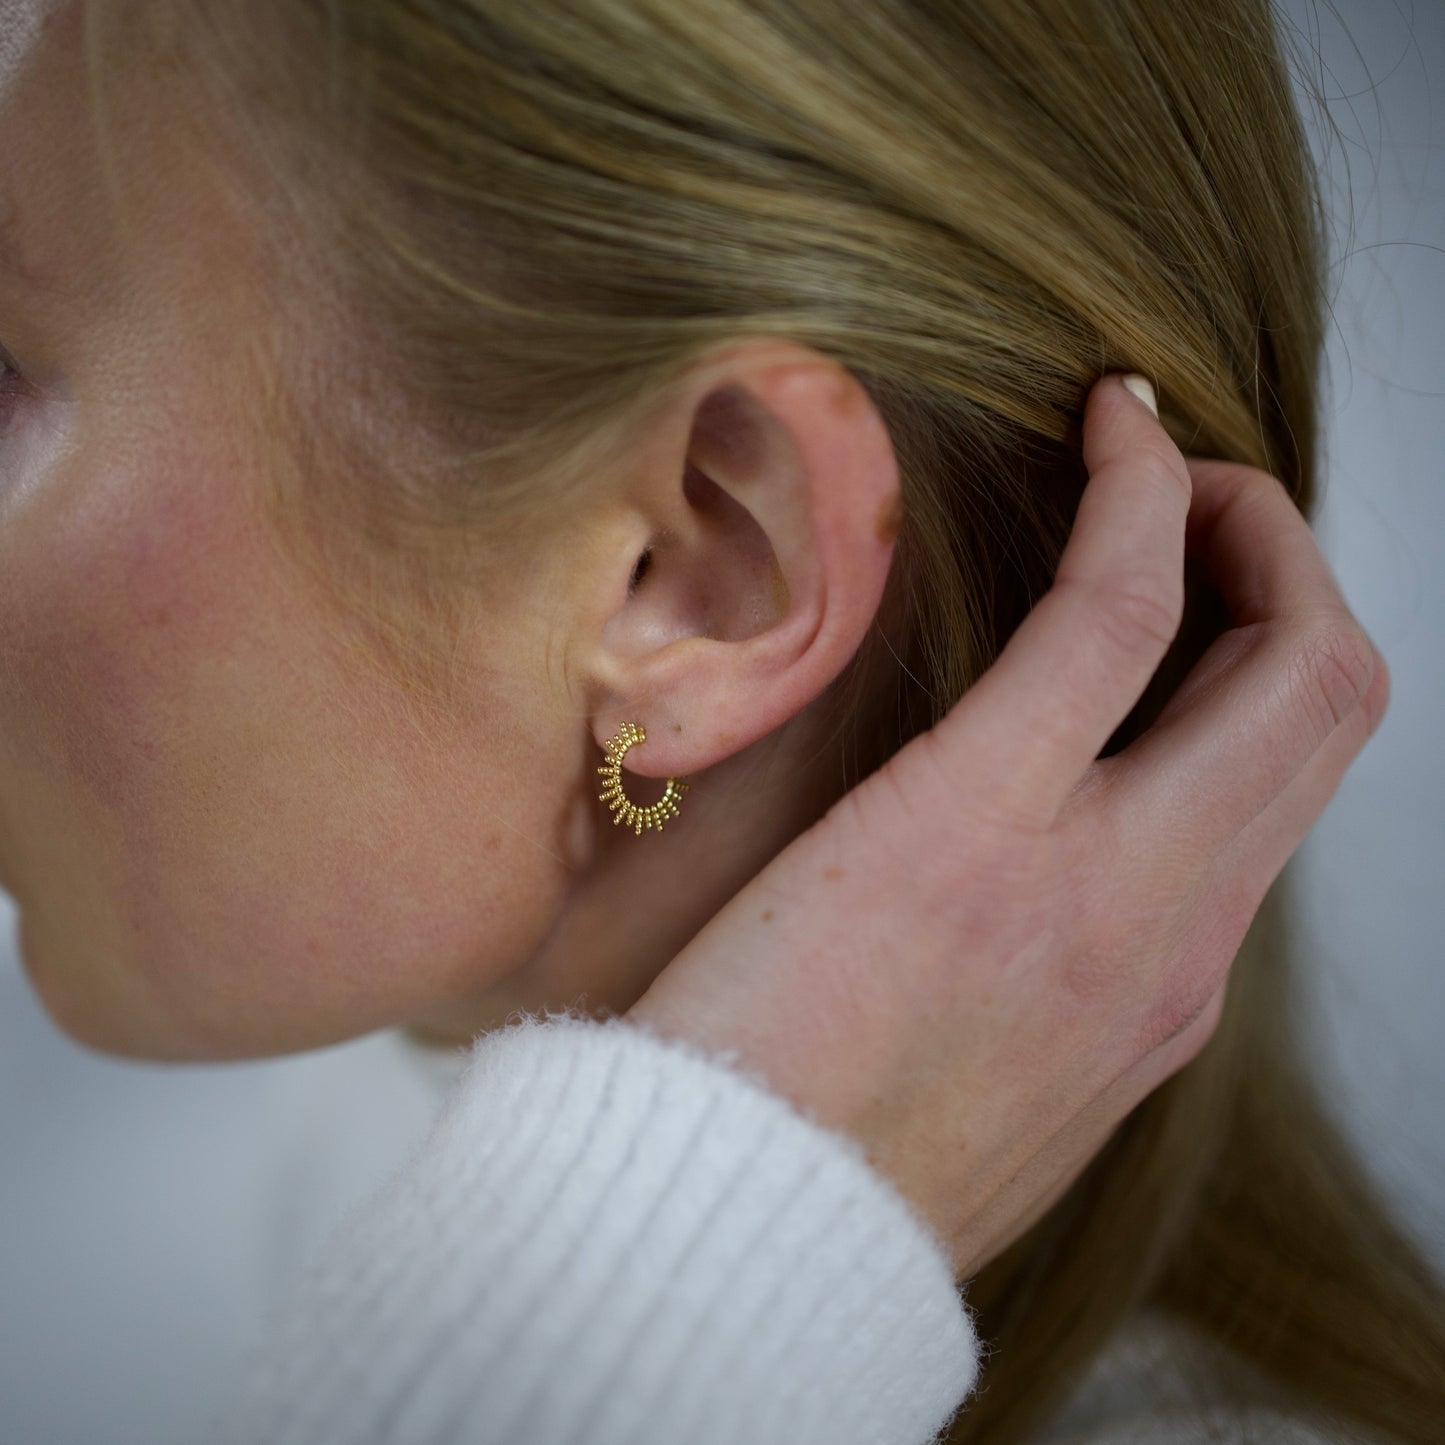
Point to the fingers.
(1244, 870)
(1080, 660)
(1265, 845)
(1266, 697)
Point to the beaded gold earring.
(624, 811)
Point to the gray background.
(149, 1212)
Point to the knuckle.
(1257, 481)
(1193, 1010)
(1246, 484)
(1162, 456)
(1208, 928)
(1195, 1028)
(1141, 614)
(1331, 673)
(1249, 494)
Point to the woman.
(412, 397)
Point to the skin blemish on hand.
(767, 915)
(832, 874)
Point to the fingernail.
(1142, 388)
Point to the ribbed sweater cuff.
(611, 1238)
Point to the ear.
(761, 513)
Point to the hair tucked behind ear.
(511, 225)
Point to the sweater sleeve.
(612, 1238)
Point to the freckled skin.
(219, 829)
(229, 832)
(228, 782)
(890, 518)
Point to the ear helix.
(624, 811)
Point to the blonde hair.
(511, 227)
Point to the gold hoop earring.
(625, 811)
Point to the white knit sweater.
(613, 1239)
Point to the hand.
(987, 953)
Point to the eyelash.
(643, 563)
(12, 386)
(10, 377)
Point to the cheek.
(89, 708)
(240, 847)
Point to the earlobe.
(770, 497)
